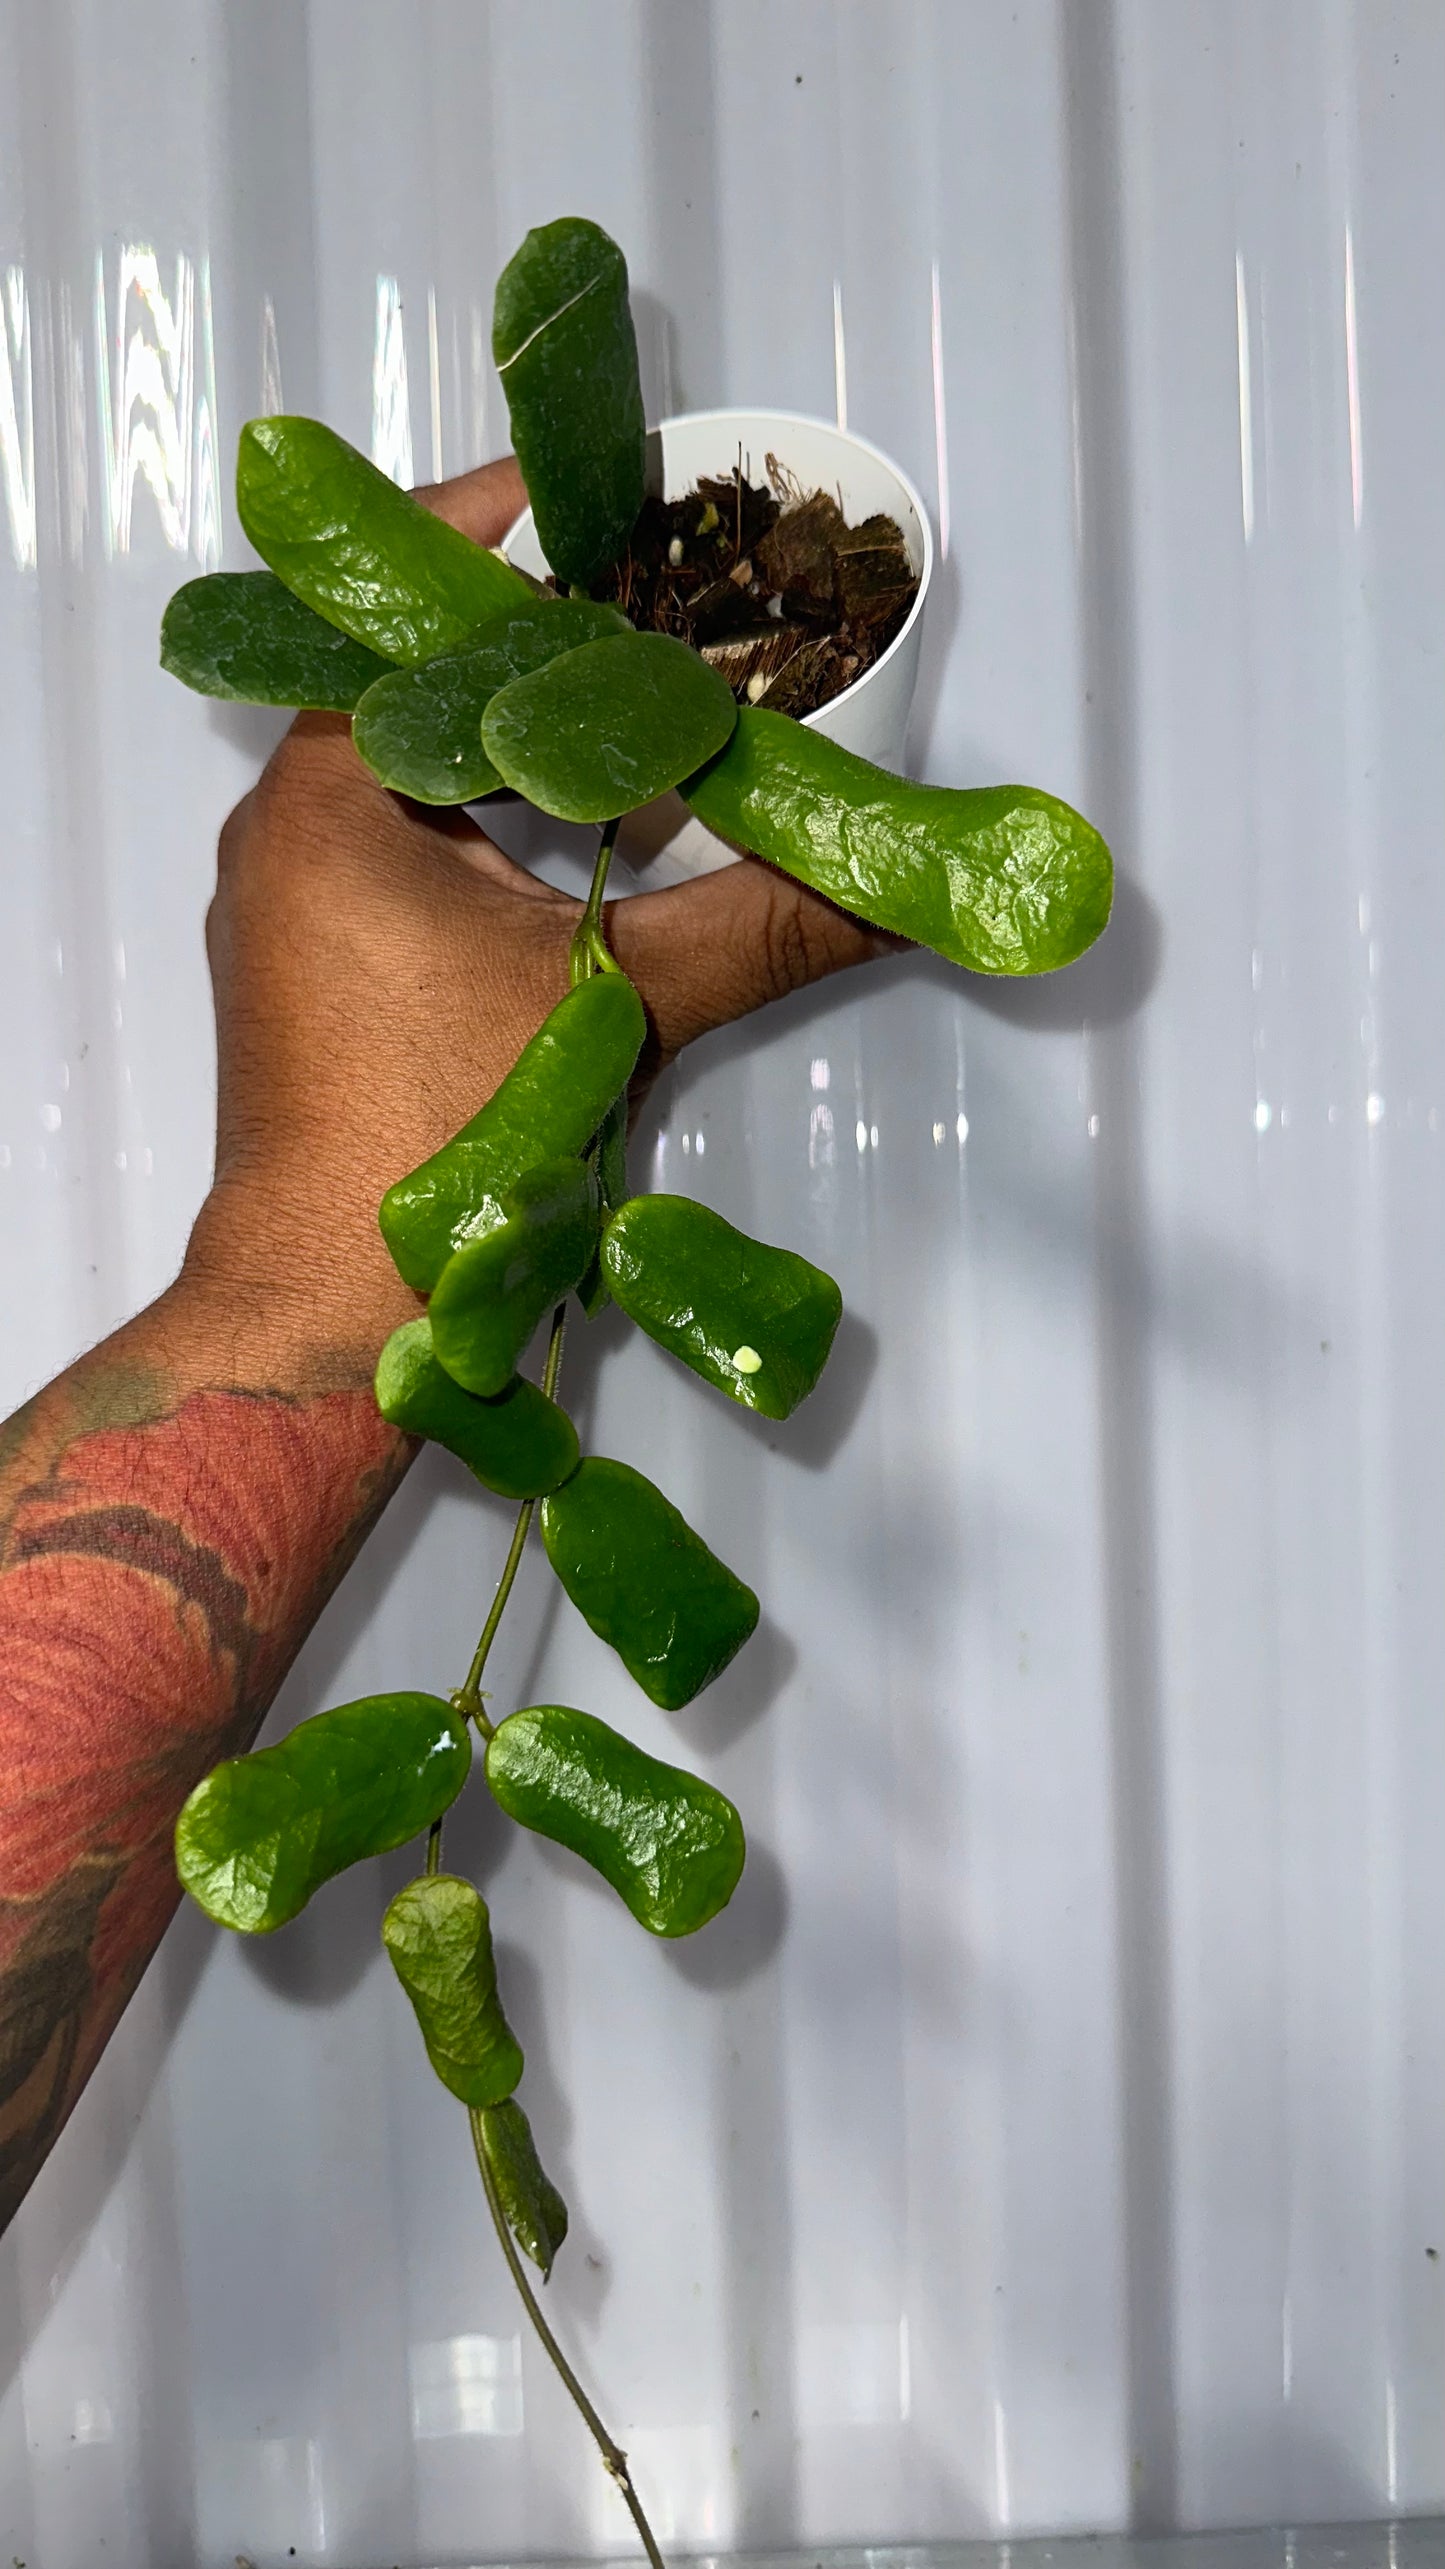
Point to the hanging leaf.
(565, 348)
(420, 730)
(242, 634)
(519, 1443)
(1001, 878)
(669, 1844)
(439, 1937)
(649, 1586)
(547, 1108)
(755, 1321)
(261, 1833)
(365, 555)
(532, 2208)
(608, 726)
(493, 1292)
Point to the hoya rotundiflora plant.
(463, 678)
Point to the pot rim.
(785, 419)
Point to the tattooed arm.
(176, 1509)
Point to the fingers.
(710, 951)
(483, 504)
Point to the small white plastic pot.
(871, 716)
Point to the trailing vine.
(463, 678)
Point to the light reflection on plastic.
(1246, 406)
(17, 417)
(1352, 384)
(466, 2386)
(272, 400)
(156, 399)
(74, 439)
(434, 368)
(390, 396)
(940, 414)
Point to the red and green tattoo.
(158, 1573)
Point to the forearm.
(174, 1512)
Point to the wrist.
(315, 1303)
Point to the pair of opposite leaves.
(492, 1229)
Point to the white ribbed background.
(1054, 2131)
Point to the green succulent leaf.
(420, 730)
(261, 1833)
(1001, 878)
(608, 726)
(648, 1585)
(243, 635)
(609, 1159)
(519, 1443)
(755, 1321)
(547, 1108)
(566, 351)
(532, 2208)
(365, 555)
(669, 1844)
(439, 1937)
(492, 1292)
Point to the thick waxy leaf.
(670, 1844)
(547, 1108)
(609, 1159)
(631, 1563)
(420, 730)
(261, 1833)
(242, 634)
(1000, 879)
(439, 1937)
(492, 1292)
(365, 555)
(608, 726)
(519, 1443)
(564, 346)
(756, 1321)
(532, 2208)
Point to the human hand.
(378, 967)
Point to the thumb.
(483, 503)
(709, 951)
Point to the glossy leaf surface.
(439, 1937)
(531, 2206)
(632, 1565)
(492, 1292)
(261, 1833)
(520, 1443)
(365, 555)
(243, 635)
(756, 1321)
(669, 1844)
(1001, 878)
(566, 351)
(420, 730)
(608, 726)
(547, 1108)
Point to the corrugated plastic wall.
(1054, 2132)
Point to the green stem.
(468, 1698)
(589, 939)
(614, 2460)
(434, 1847)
